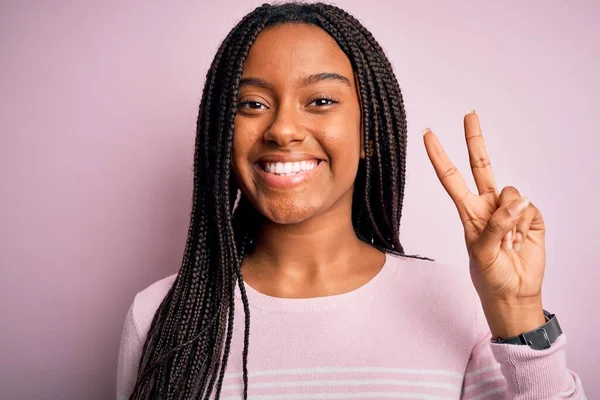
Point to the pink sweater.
(416, 330)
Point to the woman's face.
(297, 138)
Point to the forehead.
(294, 51)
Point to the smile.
(285, 175)
(289, 168)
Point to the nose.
(286, 127)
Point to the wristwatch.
(540, 338)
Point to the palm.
(498, 269)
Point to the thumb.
(502, 221)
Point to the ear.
(360, 107)
(362, 146)
(362, 141)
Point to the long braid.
(370, 122)
(228, 254)
(247, 37)
(252, 34)
(397, 109)
(186, 352)
(366, 60)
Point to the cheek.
(242, 136)
(245, 137)
(345, 127)
(246, 133)
(239, 155)
(345, 152)
(343, 143)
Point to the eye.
(323, 101)
(251, 105)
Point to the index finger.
(445, 170)
(478, 156)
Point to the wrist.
(509, 318)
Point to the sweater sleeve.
(129, 356)
(507, 371)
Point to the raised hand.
(504, 234)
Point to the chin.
(289, 214)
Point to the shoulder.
(135, 330)
(437, 278)
(147, 301)
(436, 289)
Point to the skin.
(504, 235)
(306, 246)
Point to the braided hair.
(187, 347)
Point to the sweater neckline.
(368, 291)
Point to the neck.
(317, 257)
(313, 250)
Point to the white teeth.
(289, 168)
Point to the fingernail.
(469, 111)
(516, 208)
(426, 130)
(517, 246)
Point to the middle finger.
(478, 157)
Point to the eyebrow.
(309, 80)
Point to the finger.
(518, 241)
(509, 194)
(445, 170)
(523, 225)
(503, 221)
(478, 156)
(535, 225)
(508, 239)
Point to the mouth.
(285, 175)
(289, 168)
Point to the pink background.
(98, 102)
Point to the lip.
(292, 157)
(286, 182)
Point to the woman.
(303, 119)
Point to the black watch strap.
(540, 338)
